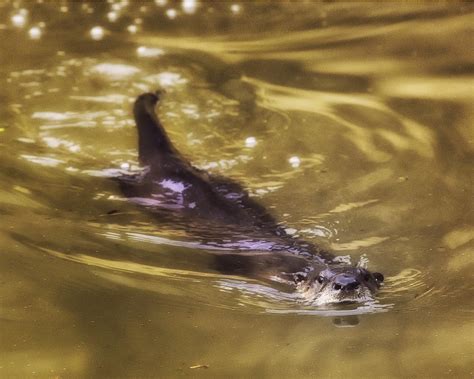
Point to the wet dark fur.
(209, 200)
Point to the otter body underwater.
(169, 182)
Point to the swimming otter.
(169, 182)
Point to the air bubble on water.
(97, 33)
(189, 6)
(235, 8)
(35, 33)
(112, 16)
(250, 142)
(161, 3)
(171, 13)
(125, 166)
(294, 161)
(19, 20)
(132, 29)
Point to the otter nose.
(346, 282)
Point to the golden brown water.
(353, 123)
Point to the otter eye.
(378, 277)
(320, 279)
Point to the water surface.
(352, 123)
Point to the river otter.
(169, 182)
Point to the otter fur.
(168, 181)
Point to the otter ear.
(378, 277)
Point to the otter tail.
(154, 145)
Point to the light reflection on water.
(353, 125)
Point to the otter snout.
(337, 284)
(345, 282)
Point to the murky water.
(352, 123)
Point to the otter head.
(337, 284)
